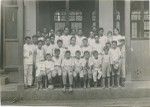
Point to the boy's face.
(95, 54)
(106, 51)
(40, 45)
(108, 45)
(85, 42)
(66, 31)
(109, 34)
(59, 33)
(94, 29)
(80, 32)
(101, 32)
(114, 45)
(73, 41)
(52, 39)
(59, 44)
(48, 57)
(35, 39)
(47, 42)
(116, 32)
(96, 39)
(91, 34)
(67, 55)
(78, 54)
(52, 31)
(87, 55)
(57, 53)
(73, 32)
(28, 41)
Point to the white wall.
(106, 15)
(30, 17)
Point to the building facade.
(25, 17)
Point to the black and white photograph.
(75, 53)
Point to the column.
(106, 15)
(128, 42)
(30, 17)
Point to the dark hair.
(48, 54)
(114, 41)
(67, 52)
(52, 35)
(100, 29)
(78, 51)
(72, 37)
(117, 29)
(86, 52)
(27, 37)
(95, 51)
(57, 50)
(59, 41)
(105, 48)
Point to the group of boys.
(74, 60)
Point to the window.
(93, 18)
(140, 20)
(117, 19)
(60, 19)
(75, 19)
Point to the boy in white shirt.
(52, 43)
(49, 68)
(103, 38)
(115, 56)
(96, 64)
(28, 62)
(106, 67)
(123, 61)
(91, 39)
(87, 74)
(57, 66)
(73, 47)
(61, 48)
(66, 37)
(97, 46)
(77, 74)
(85, 47)
(47, 46)
(67, 69)
(39, 53)
(79, 37)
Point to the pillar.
(30, 17)
(106, 15)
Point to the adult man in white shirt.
(28, 62)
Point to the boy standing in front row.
(115, 56)
(67, 69)
(106, 67)
(77, 74)
(96, 63)
(28, 62)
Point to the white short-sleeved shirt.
(115, 55)
(103, 40)
(73, 49)
(83, 49)
(57, 61)
(48, 49)
(66, 40)
(95, 62)
(105, 58)
(77, 62)
(28, 54)
(117, 38)
(79, 40)
(39, 54)
(67, 62)
(91, 41)
(97, 47)
(49, 65)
